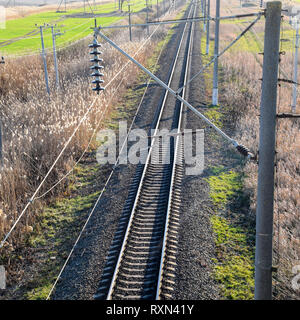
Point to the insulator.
(98, 81)
(96, 60)
(96, 52)
(243, 150)
(98, 88)
(95, 44)
(96, 67)
(97, 74)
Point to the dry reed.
(36, 126)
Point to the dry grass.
(242, 90)
(36, 127)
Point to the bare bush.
(242, 90)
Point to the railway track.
(142, 258)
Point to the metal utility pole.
(60, 4)
(44, 59)
(157, 10)
(129, 22)
(216, 52)
(207, 27)
(2, 61)
(294, 98)
(204, 15)
(265, 189)
(147, 17)
(54, 35)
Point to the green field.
(74, 28)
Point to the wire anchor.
(97, 68)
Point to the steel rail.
(132, 215)
(177, 141)
(240, 148)
(111, 173)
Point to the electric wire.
(49, 35)
(220, 54)
(48, 173)
(60, 47)
(281, 69)
(66, 145)
(69, 42)
(45, 35)
(108, 179)
(88, 145)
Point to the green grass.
(234, 234)
(75, 28)
(254, 42)
(224, 186)
(58, 226)
(234, 267)
(215, 116)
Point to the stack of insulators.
(97, 68)
(243, 150)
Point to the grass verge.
(234, 239)
(233, 231)
(73, 23)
